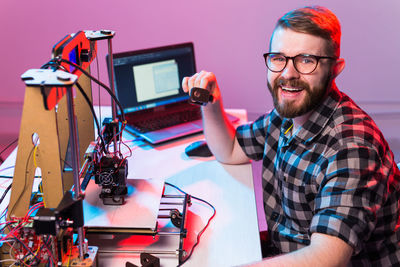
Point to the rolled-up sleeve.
(251, 138)
(353, 188)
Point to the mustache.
(291, 82)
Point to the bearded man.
(330, 184)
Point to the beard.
(312, 98)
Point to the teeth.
(291, 89)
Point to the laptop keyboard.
(167, 120)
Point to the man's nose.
(290, 71)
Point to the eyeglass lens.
(303, 63)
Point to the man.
(331, 186)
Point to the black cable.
(24, 188)
(8, 146)
(5, 193)
(204, 228)
(96, 81)
(98, 85)
(58, 60)
(94, 115)
(54, 65)
(51, 63)
(68, 164)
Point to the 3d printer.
(67, 156)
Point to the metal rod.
(171, 252)
(182, 230)
(166, 209)
(73, 140)
(113, 104)
(173, 196)
(171, 203)
(83, 168)
(168, 233)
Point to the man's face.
(295, 94)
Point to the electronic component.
(69, 213)
(110, 130)
(59, 223)
(27, 248)
(198, 149)
(45, 222)
(200, 96)
(147, 260)
(111, 174)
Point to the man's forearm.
(218, 130)
(220, 135)
(324, 250)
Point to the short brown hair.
(314, 20)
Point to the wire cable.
(41, 191)
(34, 155)
(54, 65)
(24, 188)
(3, 214)
(98, 85)
(5, 193)
(8, 146)
(58, 60)
(96, 81)
(48, 248)
(27, 248)
(85, 96)
(204, 228)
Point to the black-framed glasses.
(303, 63)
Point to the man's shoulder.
(350, 123)
(349, 115)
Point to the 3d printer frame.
(47, 132)
(45, 90)
(173, 208)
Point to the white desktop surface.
(232, 238)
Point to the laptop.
(148, 85)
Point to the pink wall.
(230, 37)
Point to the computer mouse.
(198, 149)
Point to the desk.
(232, 237)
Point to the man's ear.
(338, 67)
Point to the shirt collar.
(318, 118)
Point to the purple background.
(229, 37)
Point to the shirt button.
(274, 216)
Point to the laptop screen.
(149, 78)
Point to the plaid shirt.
(335, 175)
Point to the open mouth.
(291, 89)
